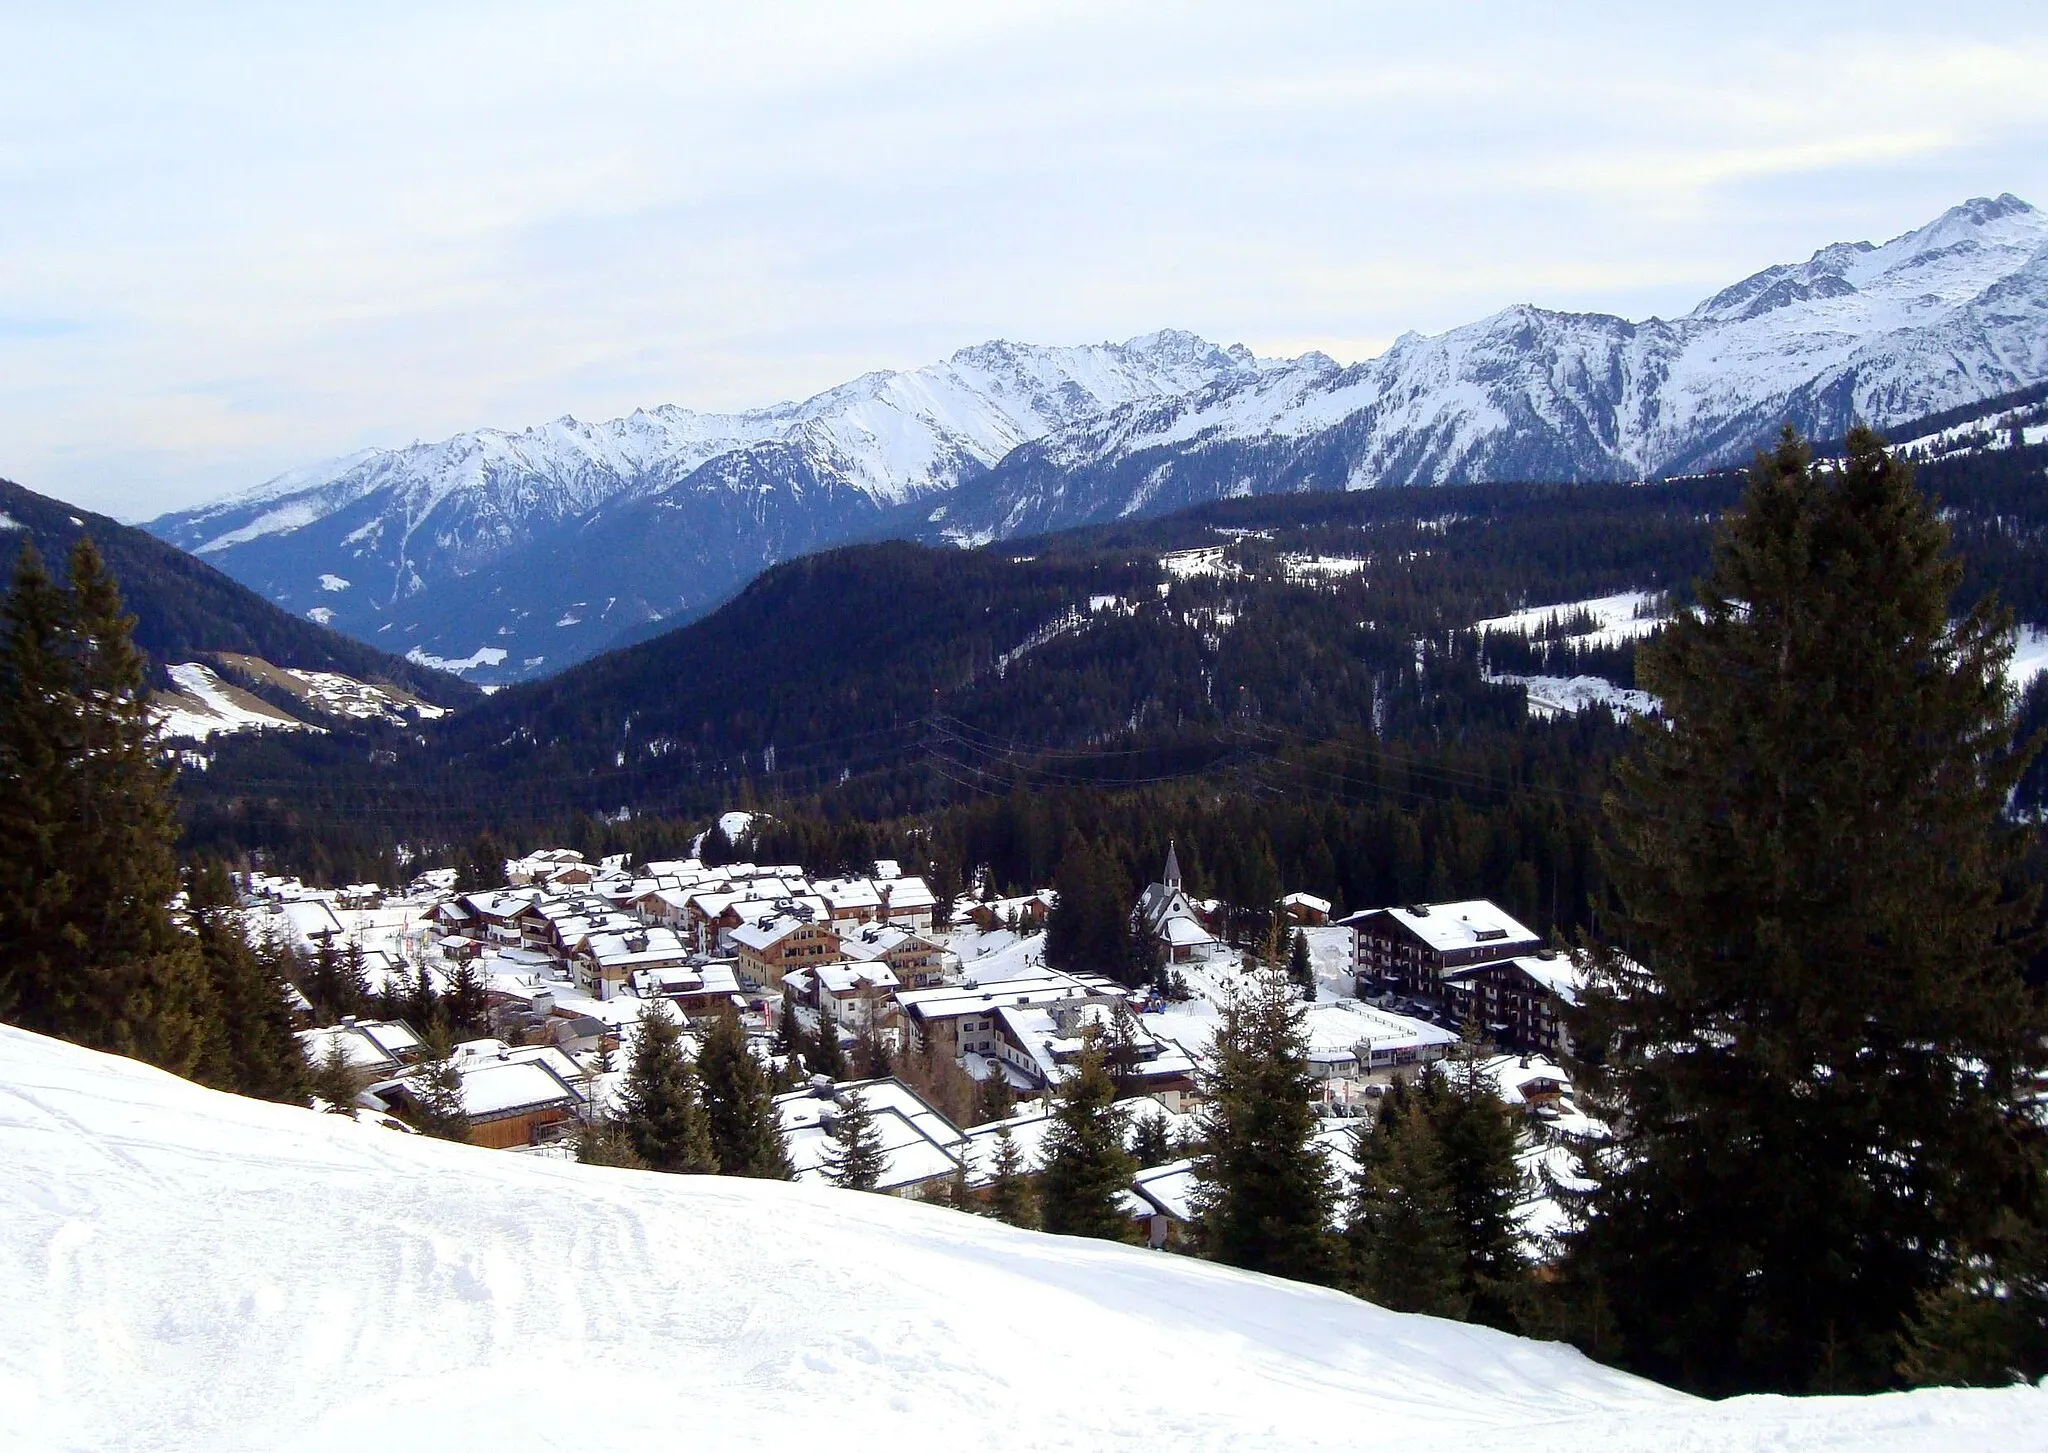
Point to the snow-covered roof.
(1451, 927)
(503, 1087)
(918, 1143)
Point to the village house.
(1042, 1043)
(1026, 914)
(1305, 910)
(1411, 949)
(696, 988)
(370, 1047)
(956, 1020)
(771, 947)
(918, 962)
(1521, 1001)
(922, 1150)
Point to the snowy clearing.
(1624, 617)
(1564, 695)
(332, 582)
(203, 705)
(190, 1270)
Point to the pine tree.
(1477, 1135)
(38, 744)
(661, 1114)
(1403, 1235)
(435, 1100)
(1121, 1055)
(323, 982)
(255, 1051)
(1151, 1139)
(465, 1003)
(1814, 1035)
(994, 1099)
(91, 951)
(1086, 1169)
(827, 1057)
(1265, 1197)
(334, 1081)
(606, 1142)
(423, 1005)
(1088, 930)
(352, 989)
(856, 1160)
(740, 1105)
(1300, 968)
(1009, 1191)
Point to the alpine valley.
(509, 556)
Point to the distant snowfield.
(1628, 616)
(188, 1270)
(481, 656)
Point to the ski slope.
(187, 1270)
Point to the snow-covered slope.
(186, 1270)
(1943, 315)
(548, 544)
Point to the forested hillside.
(185, 609)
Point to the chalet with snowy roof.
(771, 946)
(850, 900)
(907, 902)
(1305, 910)
(922, 1150)
(1413, 948)
(1043, 1043)
(854, 996)
(956, 1020)
(514, 1097)
(1169, 917)
(1025, 914)
(371, 1047)
(603, 962)
(554, 867)
(1522, 1001)
(918, 962)
(696, 988)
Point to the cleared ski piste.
(189, 1270)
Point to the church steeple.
(1172, 878)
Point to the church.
(1168, 915)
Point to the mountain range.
(509, 556)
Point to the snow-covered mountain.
(512, 555)
(187, 1270)
(519, 553)
(1946, 314)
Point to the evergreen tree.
(1121, 1055)
(1300, 968)
(1009, 1191)
(661, 1113)
(1151, 1139)
(465, 1003)
(1403, 1235)
(255, 1051)
(1814, 1038)
(334, 1081)
(423, 1005)
(826, 1056)
(1265, 1197)
(323, 982)
(1476, 1136)
(1086, 1169)
(790, 1039)
(1088, 930)
(352, 989)
(740, 1105)
(856, 1160)
(88, 948)
(993, 1098)
(606, 1142)
(435, 1104)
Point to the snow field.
(188, 1270)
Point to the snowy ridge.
(189, 1270)
(409, 528)
(1949, 313)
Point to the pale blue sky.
(238, 239)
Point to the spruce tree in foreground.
(827, 1056)
(661, 1115)
(1264, 1200)
(1815, 1035)
(88, 948)
(856, 1160)
(334, 1081)
(1403, 1235)
(1477, 1136)
(739, 1105)
(1086, 1168)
